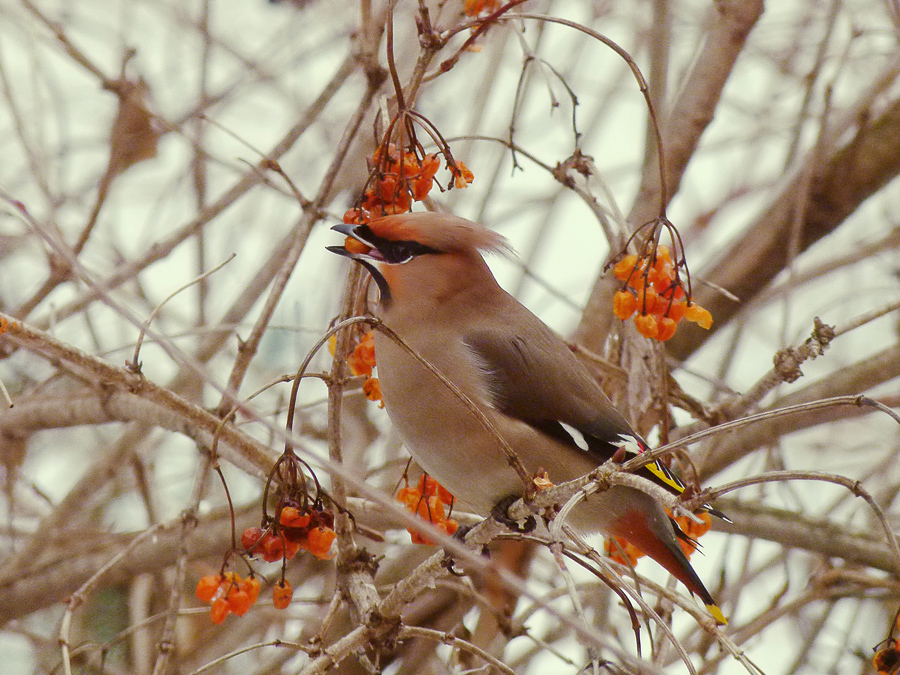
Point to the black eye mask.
(383, 250)
(391, 251)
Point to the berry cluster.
(311, 529)
(427, 499)
(655, 295)
(362, 359)
(397, 179)
(228, 594)
(624, 553)
(300, 521)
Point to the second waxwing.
(439, 295)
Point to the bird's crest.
(439, 231)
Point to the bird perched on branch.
(440, 297)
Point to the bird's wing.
(533, 376)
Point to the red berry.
(251, 537)
(271, 548)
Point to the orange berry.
(207, 587)
(624, 268)
(624, 304)
(250, 586)
(291, 517)
(409, 497)
(358, 366)
(674, 310)
(391, 154)
(663, 253)
(355, 245)
(238, 602)
(462, 176)
(686, 547)
(638, 281)
(473, 7)
(697, 530)
(434, 489)
(395, 208)
(662, 275)
(698, 315)
(320, 540)
(282, 594)
(231, 578)
(371, 201)
(291, 548)
(417, 538)
(372, 389)
(427, 485)
(352, 217)
(444, 495)
(665, 329)
(624, 553)
(430, 166)
(387, 188)
(432, 510)
(648, 302)
(646, 325)
(219, 610)
(410, 166)
(449, 526)
(421, 187)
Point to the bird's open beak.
(365, 253)
(355, 247)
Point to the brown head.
(423, 255)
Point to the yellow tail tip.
(717, 614)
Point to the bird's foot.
(500, 513)
(449, 561)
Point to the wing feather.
(538, 380)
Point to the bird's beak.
(365, 253)
(355, 247)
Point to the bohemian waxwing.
(439, 295)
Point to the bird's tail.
(635, 528)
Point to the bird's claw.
(449, 561)
(500, 513)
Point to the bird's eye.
(398, 252)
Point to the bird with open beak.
(438, 294)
